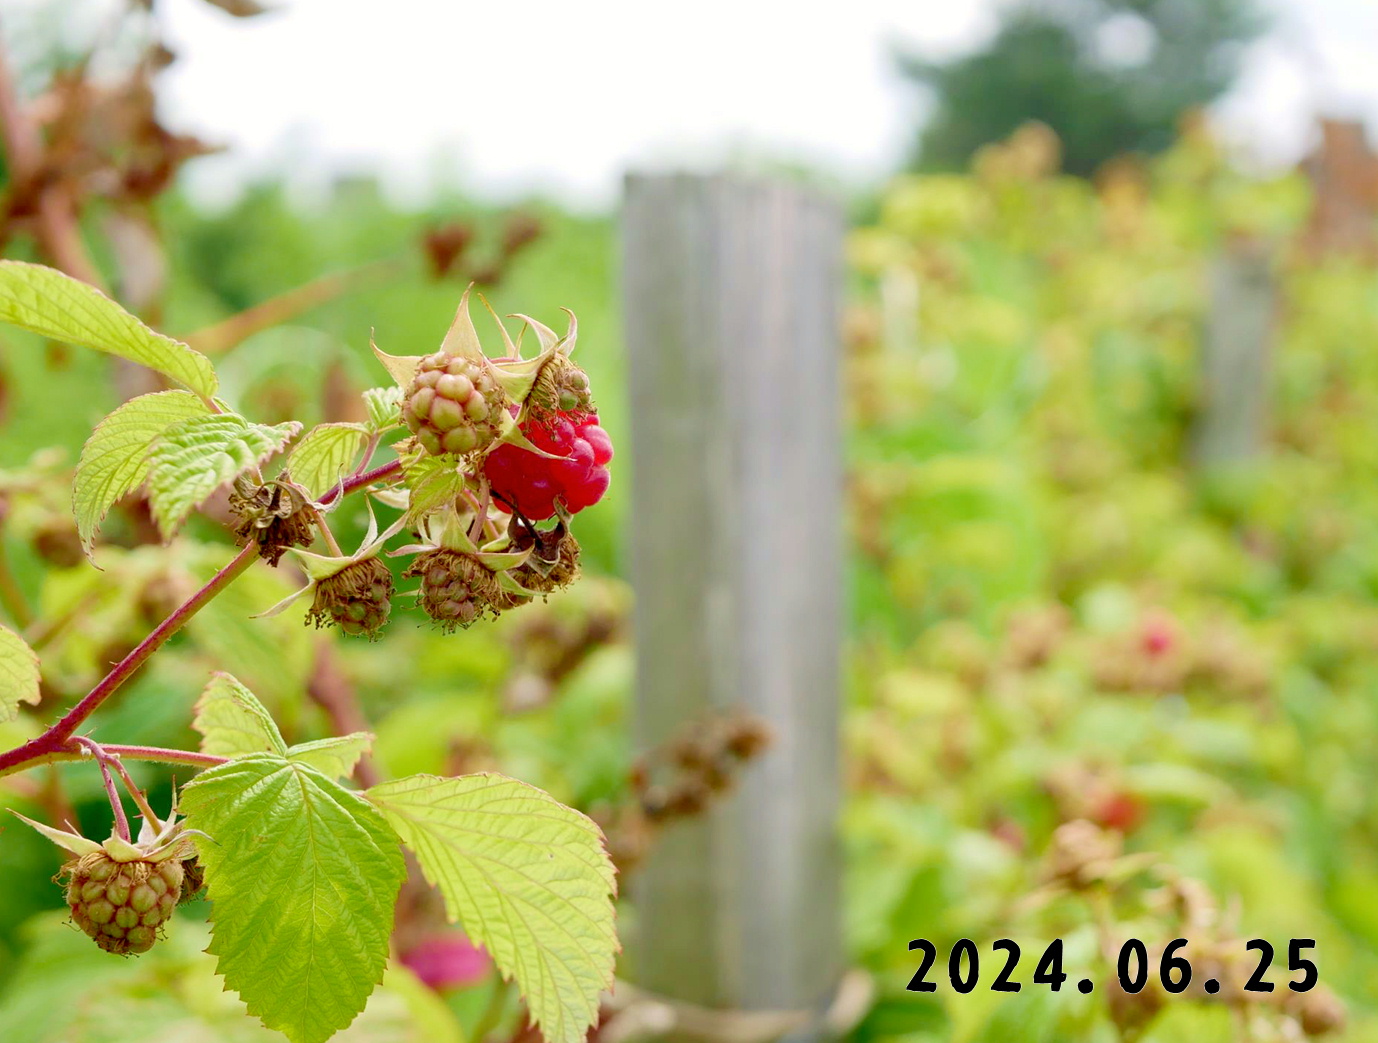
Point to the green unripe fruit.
(456, 588)
(122, 905)
(454, 405)
(357, 599)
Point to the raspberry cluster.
(454, 405)
(533, 484)
(122, 904)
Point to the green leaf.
(384, 408)
(303, 874)
(49, 303)
(198, 455)
(231, 720)
(335, 757)
(324, 456)
(527, 877)
(18, 674)
(115, 458)
(432, 481)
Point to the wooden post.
(1236, 363)
(733, 332)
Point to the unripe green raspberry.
(122, 905)
(454, 405)
(456, 588)
(358, 598)
(560, 387)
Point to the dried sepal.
(276, 515)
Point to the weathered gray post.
(732, 293)
(1236, 363)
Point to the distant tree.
(1110, 76)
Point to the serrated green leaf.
(18, 674)
(384, 407)
(231, 721)
(44, 301)
(335, 757)
(324, 456)
(303, 874)
(114, 460)
(433, 481)
(527, 877)
(195, 457)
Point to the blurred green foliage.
(1059, 619)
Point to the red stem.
(126, 667)
(56, 743)
(358, 481)
(55, 739)
(116, 805)
(73, 752)
(165, 756)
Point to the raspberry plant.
(302, 869)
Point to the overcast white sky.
(507, 96)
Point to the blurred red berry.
(1159, 635)
(533, 483)
(1120, 811)
(448, 961)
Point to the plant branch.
(332, 544)
(112, 760)
(126, 667)
(276, 310)
(156, 754)
(359, 481)
(481, 514)
(165, 756)
(56, 743)
(369, 451)
(55, 739)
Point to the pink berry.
(533, 484)
(448, 961)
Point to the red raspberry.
(533, 483)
